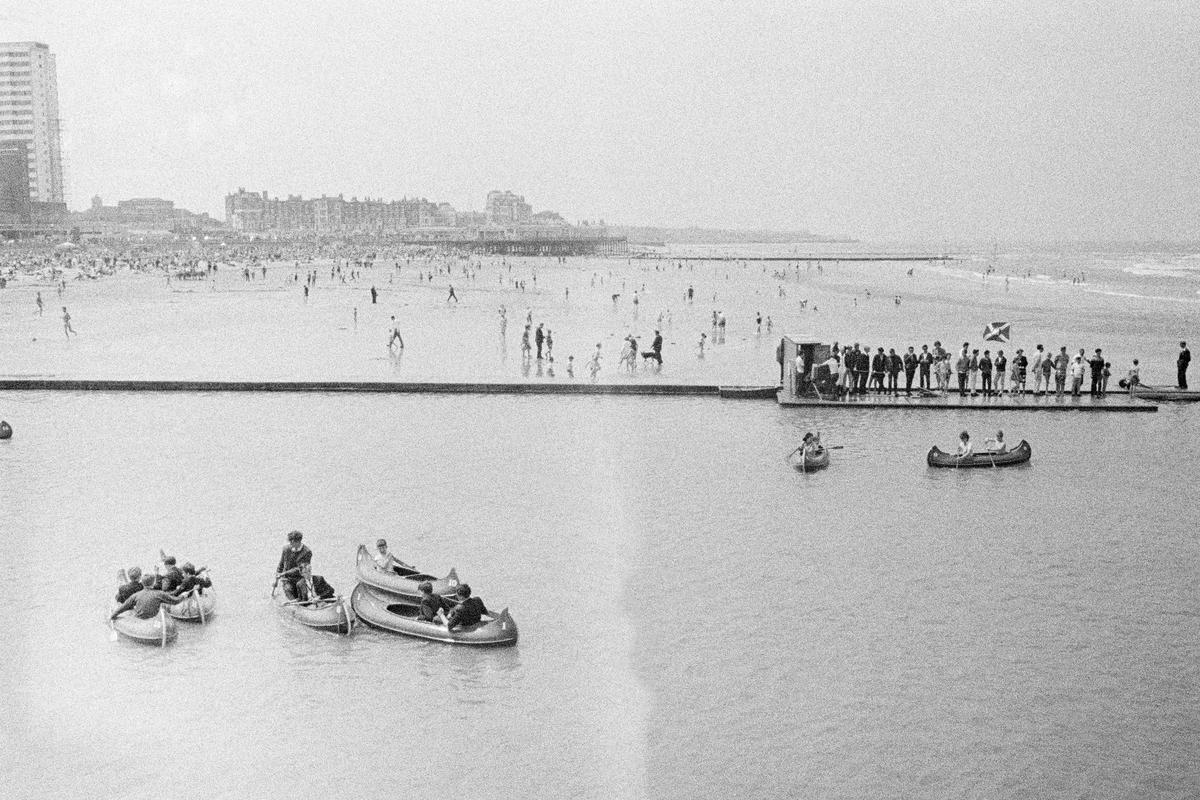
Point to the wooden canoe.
(390, 613)
(401, 581)
(160, 630)
(334, 615)
(1018, 455)
(748, 392)
(802, 461)
(195, 607)
(1165, 393)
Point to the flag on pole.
(997, 332)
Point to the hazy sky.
(947, 122)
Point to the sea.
(696, 618)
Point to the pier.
(948, 402)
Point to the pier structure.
(549, 246)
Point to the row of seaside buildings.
(252, 212)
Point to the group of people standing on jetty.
(855, 370)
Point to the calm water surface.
(697, 620)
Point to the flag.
(997, 332)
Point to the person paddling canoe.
(128, 590)
(469, 611)
(145, 603)
(294, 557)
(431, 603)
(995, 445)
(385, 560)
(964, 445)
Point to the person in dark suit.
(924, 363)
(1096, 364)
(1181, 365)
(879, 365)
(910, 369)
(894, 365)
(862, 367)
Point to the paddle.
(275, 585)
(199, 605)
(112, 625)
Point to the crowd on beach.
(854, 370)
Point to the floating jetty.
(946, 402)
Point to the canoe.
(1018, 455)
(160, 630)
(195, 607)
(390, 613)
(335, 615)
(1165, 393)
(5, 430)
(806, 463)
(748, 392)
(401, 581)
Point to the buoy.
(5, 430)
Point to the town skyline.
(1021, 123)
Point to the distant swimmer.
(66, 317)
(395, 336)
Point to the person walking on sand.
(594, 363)
(39, 304)
(67, 329)
(394, 336)
(452, 296)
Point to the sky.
(892, 121)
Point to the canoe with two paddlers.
(335, 614)
(401, 580)
(391, 613)
(1018, 455)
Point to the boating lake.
(696, 618)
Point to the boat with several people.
(335, 614)
(158, 630)
(195, 607)
(400, 580)
(387, 612)
(986, 458)
(804, 460)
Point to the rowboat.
(334, 615)
(390, 613)
(195, 607)
(159, 629)
(1165, 393)
(1018, 455)
(748, 392)
(5, 430)
(401, 581)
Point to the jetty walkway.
(949, 402)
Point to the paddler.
(147, 601)
(469, 611)
(295, 556)
(431, 603)
(964, 445)
(193, 579)
(128, 590)
(315, 586)
(172, 577)
(385, 560)
(996, 444)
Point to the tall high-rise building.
(29, 114)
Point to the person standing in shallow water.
(66, 317)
